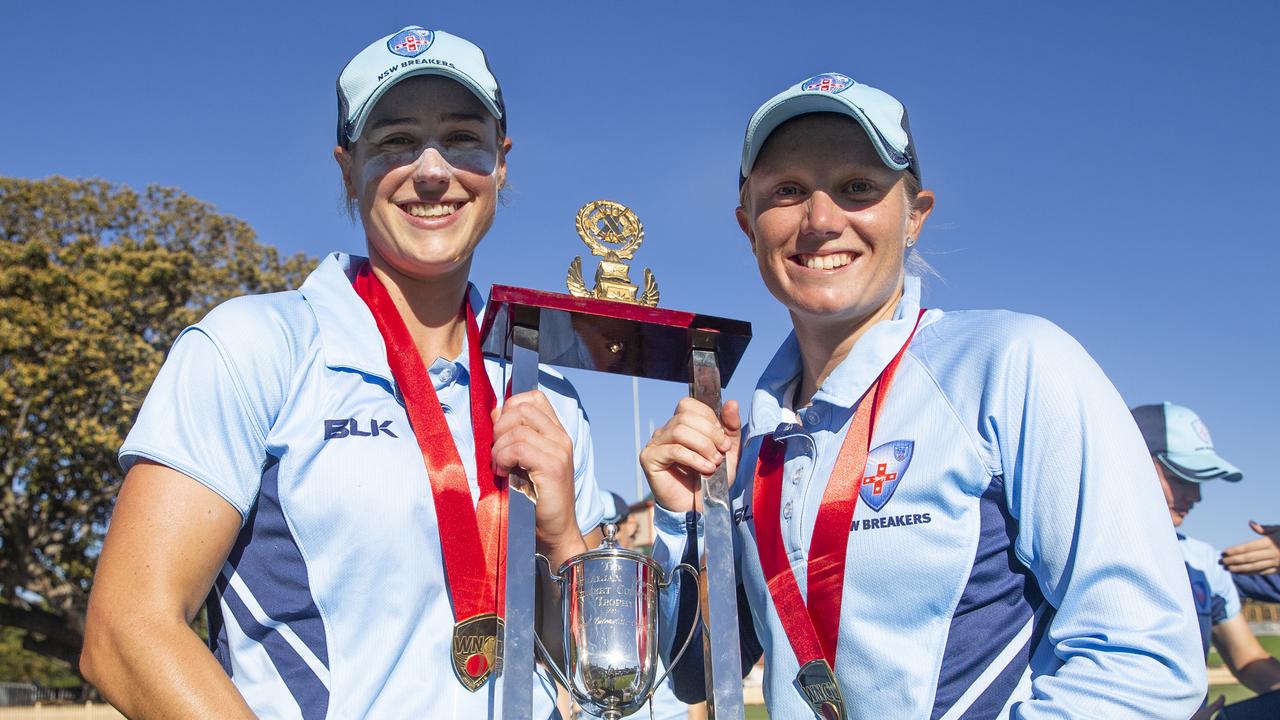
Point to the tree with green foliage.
(96, 281)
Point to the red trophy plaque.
(615, 328)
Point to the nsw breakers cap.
(1180, 441)
(879, 113)
(411, 51)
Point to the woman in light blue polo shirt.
(939, 514)
(325, 465)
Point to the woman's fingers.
(540, 453)
(693, 443)
(1257, 556)
(531, 409)
(1251, 567)
(1269, 530)
(685, 457)
(730, 419)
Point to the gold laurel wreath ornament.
(603, 224)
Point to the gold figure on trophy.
(603, 224)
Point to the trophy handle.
(537, 639)
(697, 617)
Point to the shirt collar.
(849, 380)
(349, 336)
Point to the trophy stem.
(719, 596)
(516, 665)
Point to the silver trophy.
(609, 600)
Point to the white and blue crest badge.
(885, 467)
(827, 82)
(411, 42)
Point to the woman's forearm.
(158, 669)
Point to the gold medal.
(477, 649)
(817, 684)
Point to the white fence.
(87, 711)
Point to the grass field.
(1233, 692)
(1271, 643)
(1236, 692)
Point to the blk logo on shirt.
(350, 427)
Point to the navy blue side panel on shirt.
(218, 643)
(688, 679)
(307, 689)
(998, 601)
(1265, 588)
(1208, 605)
(267, 559)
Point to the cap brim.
(803, 103)
(1200, 466)
(357, 129)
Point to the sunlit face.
(1180, 495)
(426, 173)
(828, 221)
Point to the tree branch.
(39, 621)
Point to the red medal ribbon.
(469, 535)
(814, 630)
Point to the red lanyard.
(469, 535)
(814, 630)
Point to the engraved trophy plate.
(609, 602)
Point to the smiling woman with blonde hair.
(940, 514)
(326, 466)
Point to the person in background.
(1184, 458)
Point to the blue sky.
(1105, 165)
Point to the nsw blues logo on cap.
(885, 467)
(411, 42)
(827, 82)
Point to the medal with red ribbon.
(814, 629)
(469, 534)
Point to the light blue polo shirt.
(333, 602)
(1010, 555)
(1212, 589)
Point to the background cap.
(411, 51)
(615, 508)
(1180, 441)
(879, 113)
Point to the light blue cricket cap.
(408, 52)
(1180, 441)
(880, 114)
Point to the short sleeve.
(1226, 600)
(1265, 588)
(588, 506)
(197, 420)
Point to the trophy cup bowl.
(609, 603)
